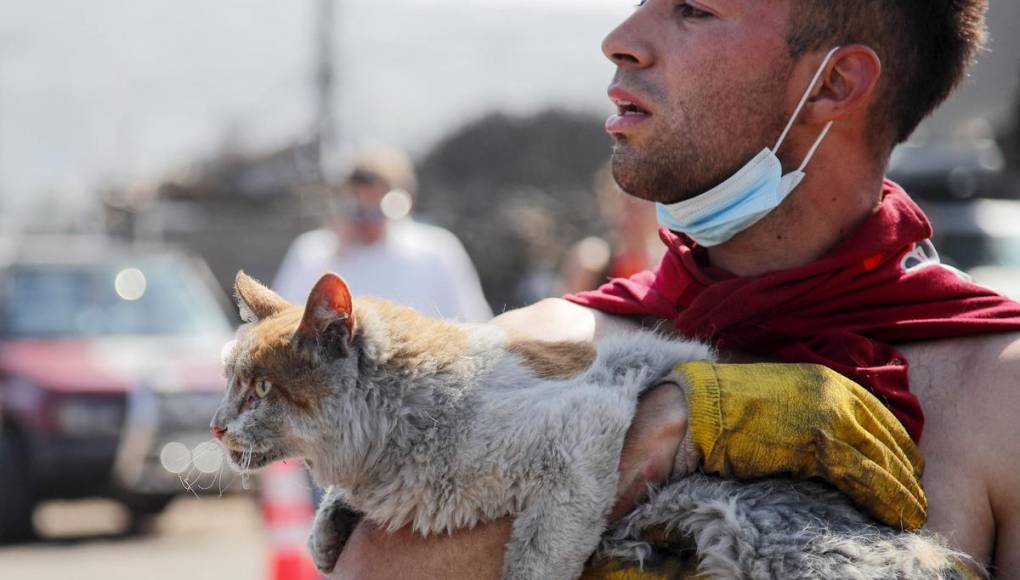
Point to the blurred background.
(149, 150)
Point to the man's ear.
(328, 322)
(254, 301)
(849, 85)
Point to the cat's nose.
(217, 431)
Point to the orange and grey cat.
(440, 426)
(421, 422)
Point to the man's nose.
(627, 46)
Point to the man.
(370, 239)
(703, 86)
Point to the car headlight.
(82, 417)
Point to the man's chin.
(630, 172)
(652, 178)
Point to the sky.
(130, 91)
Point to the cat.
(412, 421)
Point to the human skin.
(684, 67)
(364, 232)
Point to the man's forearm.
(374, 554)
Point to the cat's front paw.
(333, 526)
(325, 549)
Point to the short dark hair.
(383, 167)
(925, 47)
(361, 177)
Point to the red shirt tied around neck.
(881, 286)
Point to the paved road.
(195, 539)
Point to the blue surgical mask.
(714, 217)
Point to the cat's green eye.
(262, 387)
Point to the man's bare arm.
(555, 320)
(969, 389)
(1004, 463)
(373, 553)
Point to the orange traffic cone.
(288, 511)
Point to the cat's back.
(408, 345)
(647, 352)
(470, 357)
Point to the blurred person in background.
(633, 245)
(371, 240)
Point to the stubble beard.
(694, 148)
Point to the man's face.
(709, 78)
(359, 212)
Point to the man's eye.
(688, 11)
(685, 10)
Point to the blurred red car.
(107, 355)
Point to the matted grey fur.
(443, 447)
(779, 529)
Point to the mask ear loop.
(803, 101)
(814, 148)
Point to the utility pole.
(324, 131)
(5, 208)
(6, 196)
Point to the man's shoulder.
(948, 369)
(993, 361)
(979, 356)
(967, 386)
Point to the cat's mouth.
(250, 459)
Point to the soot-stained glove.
(802, 420)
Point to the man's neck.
(351, 236)
(829, 204)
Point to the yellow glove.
(757, 420)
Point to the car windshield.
(157, 296)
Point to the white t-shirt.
(417, 265)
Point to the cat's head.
(283, 371)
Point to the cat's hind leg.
(555, 536)
(333, 525)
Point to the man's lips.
(630, 111)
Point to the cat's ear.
(254, 301)
(328, 321)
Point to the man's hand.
(800, 420)
(652, 445)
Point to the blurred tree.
(517, 191)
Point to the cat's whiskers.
(245, 465)
(187, 483)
